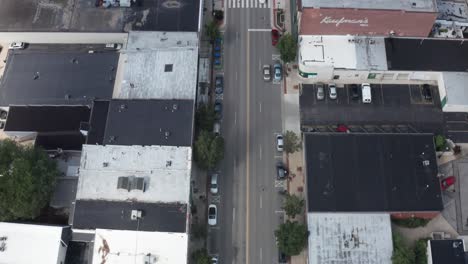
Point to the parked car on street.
(214, 260)
(212, 215)
(426, 92)
(447, 182)
(332, 91)
(279, 142)
(320, 92)
(216, 128)
(214, 183)
(219, 87)
(366, 93)
(282, 258)
(354, 92)
(266, 72)
(278, 72)
(17, 45)
(218, 108)
(281, 171)
(274, 37)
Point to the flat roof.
(349, 238)
(146, 122)
(116, 246)
(371, 173)
(455, 87)
(414, 5)
(427, 54)
(351, 21)
(65, 141)
(41, 242)
(447, 251)
(452, 11)
(346, 52)
(94, 214)
(57, 78)
(159, 65)
(166, 172)
(83, 16)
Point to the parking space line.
(347, 92)
(260, 104)
(381, 94)
(261, 202)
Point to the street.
(249, 203)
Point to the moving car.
(320, 92)
(447, 182)
(274, 37)
(281, 171)
(277, 70)
(279, 142)
(332, 89)
(354, 92)
(426, 92)
(266, 72)
(214, 183)
(366, 93)
(212, 215)
(17, 45)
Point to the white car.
(214, 260)
(212, 215)
(279, 142)
(214, 183)
(332, 89)
(17, 45)
(266, 72)
(366, 93)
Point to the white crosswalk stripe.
(248, 3)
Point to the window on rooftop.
(168, 68)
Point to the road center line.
(233, 215)
(260, 103)
(235, 118)
(261, 255)
(260, 151)
(247, 163)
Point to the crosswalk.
(249, 3)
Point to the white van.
(366, 93)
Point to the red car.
(447, 182)
(274, 37)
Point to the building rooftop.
(452, 11)
(24, 243)
(414, 5)
(83, 16)
(116, 247)
(142, 122)
(159, 65)
(349, 238)
(351, 21)
(447, 251)
(57, 78)
(427, 54)
(89, 214)
(455, 88)
(344, 52)
(371, 173)
(165, 172)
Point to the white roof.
(350, 238)
(455, 87)
(345, 52)
(144, 62)
(26, 244)
(166, 170)
(413, 5)
(117, 246)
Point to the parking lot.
(395, 108)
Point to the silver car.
(212, 215)
(320, 92)
(266, 72)
(332, 88)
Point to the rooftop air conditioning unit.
(136, 214)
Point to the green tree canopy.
(293, 205)
(402, 254)
(212, 30)
(205, 117)
(201, 257)
(26, 182)
(291, 142)
(209, 150)
(291, 237)
(287, 47)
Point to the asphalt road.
(249, 204)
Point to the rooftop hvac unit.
(136, 214)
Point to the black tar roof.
(65, 141)
(92, 214)
(144, 122)
(447, 251)
(98, 122)
(59, 78)
(426, 55)
(371, 173)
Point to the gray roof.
(83, 16)
(60, 78)
(413, 5)
(93, 214)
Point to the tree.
(209, 150)
(218, 15)
(291, 142)
(440, 142)
(293, 205)
(201, 257)
(205, 117)
(402, 254)
(287, 46)
(212, 30)
(420, 248)
(291, 237)
(27, 179)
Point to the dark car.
(282, 258)
(354, 92)
(219, 87)
(274, 37)
(281, 171)
(427, 92)
(218, 108)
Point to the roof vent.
(174, 107)
(122, 107)
(426, 162)
(168, 68)
(179, 42)
(135, 215)
(67, 96)
(130, 183)
(105, 164)
(456, 244)
(168, 163)
(74, 61)
(112, 139)
(132, 85)
(167, 134)
(36, 76)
